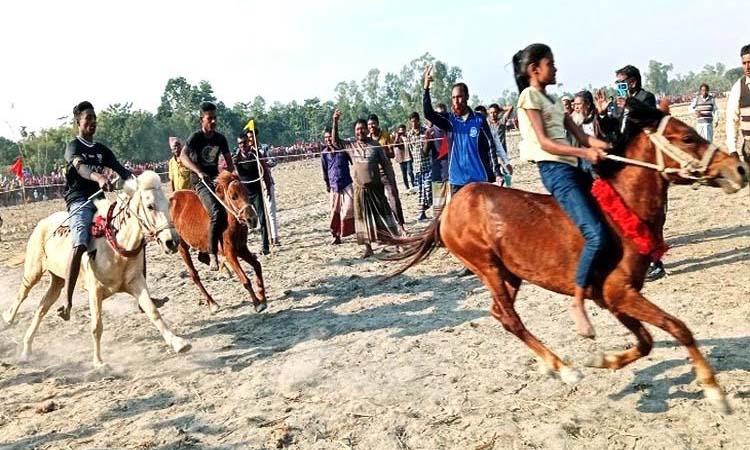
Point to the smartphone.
(622, 89)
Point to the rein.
(150, 230)
(233, 210)
(690, 167)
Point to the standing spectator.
(738, 110)
(415, 139)
(497, 130)
(472, 153)
(249, 167)
(339, 186)
(706, 113)
(404, 157)
(391, 189)
(262, 152)
(438, 142)
(498, 120)
(373, 217)
(179, 175)
(612, 124)
(567, 103)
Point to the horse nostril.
(171, 244)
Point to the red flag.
(17, 168)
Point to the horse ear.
(664, 105)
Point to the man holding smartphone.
(628, 84)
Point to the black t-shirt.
(96, 156)
(204, 152)
(247, 170)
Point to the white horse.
(143, 212)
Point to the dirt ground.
(340, 361)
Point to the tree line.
(140, 135)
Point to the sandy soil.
(341, 362)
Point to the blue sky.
(58, 53)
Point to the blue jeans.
(571, 187)
(80, 223)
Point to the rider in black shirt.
(84, 176)
(202, 158)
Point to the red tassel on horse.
(632, 226)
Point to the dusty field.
(341, 362)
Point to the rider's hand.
(594, 155)
(104, 183)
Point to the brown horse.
(191, 221)
(505, 236)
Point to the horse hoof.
(181, 345)
(213, 308)
(544, 369)
(101, 367)
(64, 313)
(717, 398)
(24, 357)
(259, 308)
(570, 375)
(7, 320)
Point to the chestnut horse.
(191, 221)
(506, 235)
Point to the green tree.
(657, 77)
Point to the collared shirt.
(733, 113)
(415, 143)
(179, 175)
(336, 169)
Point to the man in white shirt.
(738, 110)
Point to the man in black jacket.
(611, 126)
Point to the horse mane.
(225, 177)
(640, 116)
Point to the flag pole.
(250, 126)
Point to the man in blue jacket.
(472, 153)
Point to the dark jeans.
(571, 188)
(256, 199)
(216, 214)
(407, 170)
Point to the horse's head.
(680, 153)
(237, 199)
(152, 209)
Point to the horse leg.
(139, 290)
(49, 299)
(185, 254)
(638, 307)
(621, 359)
(251, 259)
(95, 309)
(31, 277)
(493, 275)
(231, 258)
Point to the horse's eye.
(689, 139)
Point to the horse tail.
(417, 248)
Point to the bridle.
(236, 212)
(690, 168)
(150, 229)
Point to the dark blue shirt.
(336, 169)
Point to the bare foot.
(336, 240)
(368, 252)
(583, 324)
